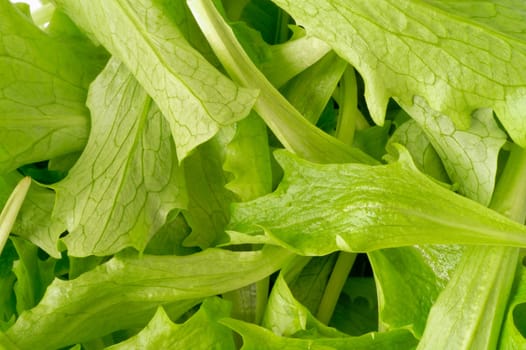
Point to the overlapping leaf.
(201, 331)
(318, 209)
(514, 329)
(146, 35)
(459, 56)
(34, 219)
(409, 279)
(127, 180)
(259, 338)
(92, 305)
(43, 87)
(470, 156)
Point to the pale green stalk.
(290, 127)
(11, 209)
(348, 102)
(334, 287)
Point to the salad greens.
(263, 174)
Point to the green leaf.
(357, 310)
(281, 62)
(247, 159)
(169, 240)
(207, 212)
(427, 160)
(259, 338)
(454, 325)
(470, 311)
(409, 280)
(289, 126)
(127, 180)
(72, 311)
(513, 334)
(469, 156)
(308, 287)
(34, 218)
(285, 316)
(7, 280)
(6, 343)
(373, 140)
(201, 331)
(11, 208)
(195, 98)
(262, 15)
(310, 91)
(459, 56)
(77, 266)
(43, 86)
(321, 208)
(293, 57)
(32, 273)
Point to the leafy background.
(319, 174)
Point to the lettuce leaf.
(318, 209)
(193, 95)
(459, 56)
(127, 180)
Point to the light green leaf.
(459, 56)
(247, 159)
(373, 140)
(318, 209)
(469, 156)
(293, 57)
(513, 334)
(310, 91)
(207, 212)
(259, 338)
(281, 62)
(308, 287)
(469, 312)
(357, 310)
(6, 344)
(77, 266)
(32, 273)
(285, 316)
(127, 180)
(427, 160)
(43, 86)
(34, 219)
(7, 280)
(195, 98)
(169, 240)
(289, 126)
(409, 280)
(71, 311)
(11, 208)
(201, 331)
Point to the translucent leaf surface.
(34, 219)
(318, 209)
(43, 87)
(459, 56)
(259, 338)
(127, 180)
(195, 98)
(409, 280)
(469, 156)
(513, 334)
(201, 331)
(412, 137)
(91, 305)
